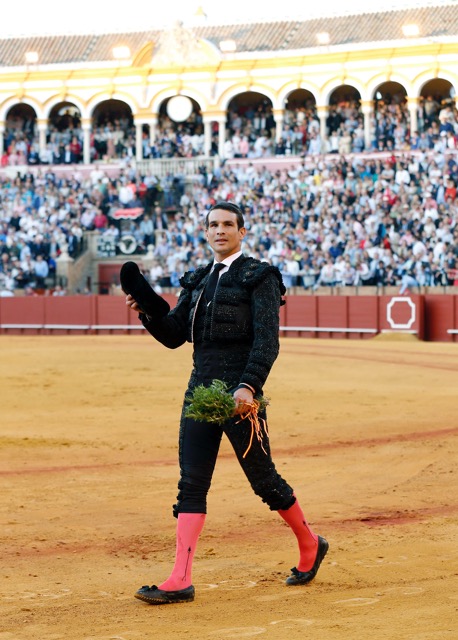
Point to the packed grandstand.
(347, 173)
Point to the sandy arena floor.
(366, 432)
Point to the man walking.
(229, 310)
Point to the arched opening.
(250, 126)
(65, 136)
(179, 139)
(20, 140)
(113, 131)
(391, 121)
(345, 121)
(300, 123)
(437, 112)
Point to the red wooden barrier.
(439, 317)
(455, 320)
(402, 314)
(363, 314)
(430, 317)
(20, 312)
(66, 314)
(332, 314)
(299, 311)
(112, 311)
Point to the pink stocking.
(307, 540)
(189, 526)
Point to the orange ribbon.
(258, 425)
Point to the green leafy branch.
(215, 404)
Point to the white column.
(86, 127)
(221, 136)
(412, 105)
(207, 137)
(63, 266)
(152, 129)
(323, 114)
(279, 118)
(2, 142)
(42, 129)
(366, 108)
(138, 141)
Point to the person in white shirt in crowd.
(40, 271)
(327, 276)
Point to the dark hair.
(227, 206)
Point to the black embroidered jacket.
(242, 320)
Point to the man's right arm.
(171, 330)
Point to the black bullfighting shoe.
(135, 284)
(303, 577)
(153, 595)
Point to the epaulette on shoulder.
(254, 271)
(191, 279)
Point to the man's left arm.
(265, 306)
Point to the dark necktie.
(213, 281)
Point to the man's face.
(222, 234)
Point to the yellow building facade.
(207, 65)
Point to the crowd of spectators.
(111, 138)
(251, 133)
(176, 140)
(390, 130)
(335, 221)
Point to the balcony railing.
(189, 168)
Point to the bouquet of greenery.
(215, 404)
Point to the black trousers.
(199, 442)
(198, 450)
